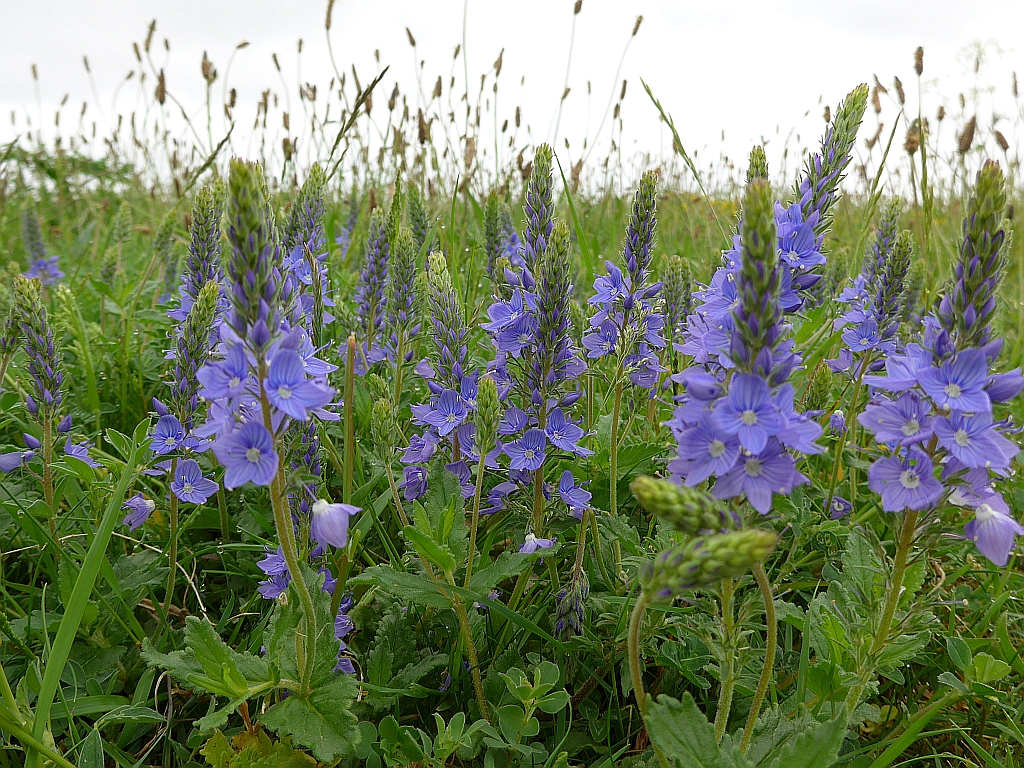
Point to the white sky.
(753, 69)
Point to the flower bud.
(488, 414)
(705, 561)
(688, 510)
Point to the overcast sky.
(751, 69)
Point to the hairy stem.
(770, 644)
(633, 649)
(728, 676)
(613, 464)
(892, 602)
(350, 427)
(475, 522)
(172, 544)
(474, 664)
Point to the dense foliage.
(308, 476)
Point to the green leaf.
(505, 566)
(684, 734)
(817, 747)
(988, 669)
(215, 657)
(130, 714)
(122, 443)
(553, 702)
(90, 754)
(322, 721)
(407, 587)
(948, 678)
(429, 550)
(959, 652)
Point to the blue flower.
(527, 453)
(905, 481)
(564, 433)
(749, 413)
(189, 485)
(577, 499)
(840, 508)
(80, 452)
(973, 440)
(533, 543)
(958, 384)
(329, 524)
(602, 341)
(707, 449)
(289, 390)
(447, 413)
(414, 482)
(759, 476)
(862, 336)
(141, 508)
(226, 378)
(993, 529)
(168, 435)
(905, 421)
(247, 455)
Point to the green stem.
(892, 602)
(47, 425)
(8, 695)
(222, 505)
(26, 738)
(350, 427)
(771, 642)
(728, 676)
(474, 664)
(172, 545)
(306, 644)
(595, 535)
(633, 649)
(475, 522)
(394, 491)
(613, 463)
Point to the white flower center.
(170, 441)
(284, 392)
(952, 390)
(149, 504)
(911, 428)
(961, 438)
(909, 479)
(319, 506)
(748, 418)
(984, 512)
(234, 381)
(253, 455)
(451, 418)
(716, 449)
(529, 453)
(794, 255)
(524, 338)
(187, 487)
(753, 467)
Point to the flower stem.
(613, 463)
(771, 642)
(474, 664)
(306, 642)
(47, 425)
(225, 522)
(728, 675)
(172, 545)
(892, 602)
(475, 522)
(595, 536)
(350, 427)
(633, 649)
(394, 491)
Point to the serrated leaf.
(322, 721)
(817, 747)
(214, 655)
(407, 587)
(505, 566)
(684, 734)
(429, 550)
